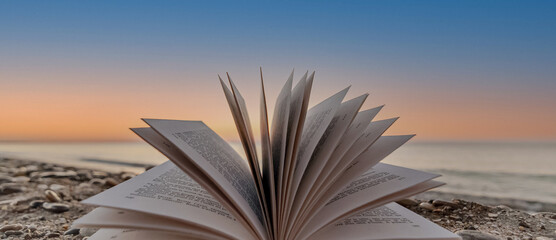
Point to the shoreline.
(40, 200)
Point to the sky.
(451, 70)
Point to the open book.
(317, 176)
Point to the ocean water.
(518, 170)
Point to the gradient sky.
(452, 70)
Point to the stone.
(407, 202)
(492, 215)
(11, 227)
(61, 221)
(97, 181)
(8, 188)
(36, 203)
(52, 235)
(64, 174)
(13, 233)
(524, 224)
(99, 174)
(56, 207)
(21, 179)
(52, 196)
(426, 206)
(475, 235)
(57, 187)
(126, 175)
(110, 182)
(73, 231)
(440, 203)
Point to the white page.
(362, 144)
(130, 234)
(167, 191)
(269, 185)
(408, 192)
(371, 134)
(354, 132)
(293, 135)
(116, 218)
(329, 140)
(355, 168)
(317, 120)
(219, 161)
(389, 222)
(382, 180)
(172, 153)
(279, 135)
(250, 148)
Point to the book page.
(132, 234)
(116, 218)
(389, 222)
(269, 185)
(172, 153)
(278, 136)
(317, 121)
(371, 134)
(250, 147)
(329, 140)
(354, 132)
(218, 161)
(293, 135)
(167, 191)
(382, 180)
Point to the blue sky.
(454, 49)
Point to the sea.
(516, 170)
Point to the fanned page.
(218, 161)
(243, 124)
(381, 181)
(168, 192)
(329, 140)
(389, 222)
(116, 218)
(294, 125)
(317, 120)
(278, 140)
(354, 132)
(269, 184)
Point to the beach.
(41, 200)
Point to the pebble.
(21, 179)
(52, 235)
(475, 235)
(492, 215)
(73, 231)
(36, 203)
(56, 207)
(99, 174)
(439, 203)
(426, 206)
(524, 224)
(60, 221)
(8, 188)
(57, 187)
(11, 227)
(52, 196)
(110, 182)
(64, 174)
(407, 202)
(126, 175)
(97, 181)
(13, 233)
